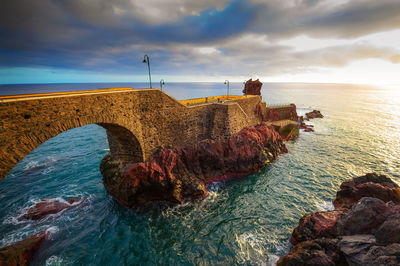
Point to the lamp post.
(162, 83)
(227, 83)
(146, 59)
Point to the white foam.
(30, 165)
(251, 249)
(214, 187)
(48, 170)
(51, 231)
(12, 220)
(54, 261)
(19, 235)
(271, 260)
(324, 205)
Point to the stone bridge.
(137, 122)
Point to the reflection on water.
(245, 221)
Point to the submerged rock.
(174, 174)
(252, 87)
(46, 207)
(21, 252)
(364, 229)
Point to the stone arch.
(123, 144)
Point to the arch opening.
(124, 146)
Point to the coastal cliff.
(179, 173)
(363, 229)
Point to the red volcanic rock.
(259, 112)
(364, 230)
(321, 251)
(21, 252)
(293, 113)
(389, 231)
(252, 87)
(273, 115)
(173, 175)
(45, 208)
(314, 114)
(304, 126)
(312, 226)
(370, 185)
(363, 218)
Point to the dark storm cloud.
(110, 36)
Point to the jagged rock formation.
(364, 228)
(174, 174)
(252, 87)
(313, 114)
(310, 115)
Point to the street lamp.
(227, 83)
(146, 59)
(161, 83)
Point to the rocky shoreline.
(363, 229)
(20, 253)
(176, 174)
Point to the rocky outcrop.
(313, 114)
(176, 174)
(308, 116)
(304, 126)
(273, 115)
(21, 252)
(46, 207)
(252, 87)
(364, 228)
(370, 185)
(318, 252)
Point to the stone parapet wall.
(287, 112)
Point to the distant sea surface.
(246, 221)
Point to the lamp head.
(144, 61)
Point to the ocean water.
(246, 221)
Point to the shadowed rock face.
(175, 174)
(364, 228)
(21, 252)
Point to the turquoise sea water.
(246, 221)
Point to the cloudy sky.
(340, 41)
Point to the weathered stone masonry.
(137, 122)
